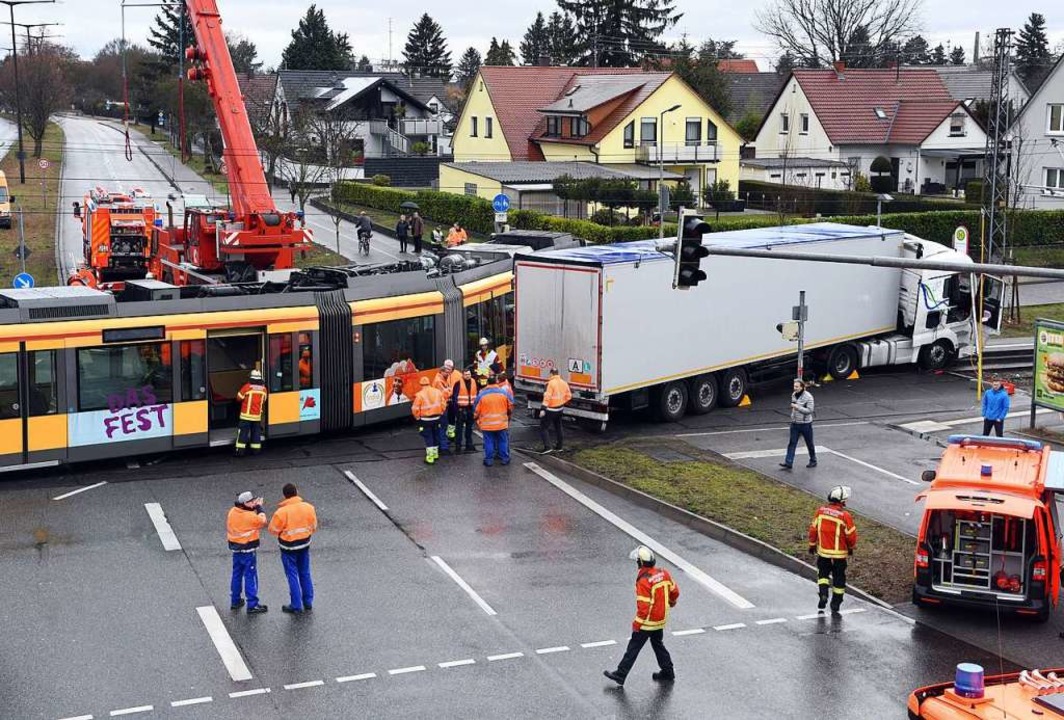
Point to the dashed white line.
(551, 650)
(353, 678)
(732, 626)
(162, 526)
(303, 685)
(599, 643)
(693, 631)
(505, 656)
(249, 693)
(223, 643)
(624, 526)
(64, 496)
(457, 663)
(464, 585)
(192, 701)
(771, 621)
(132, 710)
(404, 671)
(79, 717)
(366, 491)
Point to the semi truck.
(607, 317)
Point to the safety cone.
(853, 376)
(827, 378)
(745, 402)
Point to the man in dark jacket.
(402, 233)
(417, 230)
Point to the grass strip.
(1030, 313)
(39, 199)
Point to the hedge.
(812, 201)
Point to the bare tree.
(816, 32)
(43, 89)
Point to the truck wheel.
(842, 361)
(733, 386)
(671, 401)
(936, 356)
(703, 394)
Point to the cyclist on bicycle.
(365, 231)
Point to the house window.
(711, 132)
(488, 126)
(434, 108)
(648, 131)
(629, 135)
(804, 120)
(473, 126)
(785, 123)
(881, 113)
(1054, 181)
(956, 125)
(578, 127)
(775, 176)
(1056, 119)
(694, 132)
(554, 126)
(470, 188)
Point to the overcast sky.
(268, 23)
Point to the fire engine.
(115, 227)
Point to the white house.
(1038, 145)
(853, 116)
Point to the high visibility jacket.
(293, 523)
(456, 237)
(252, 399)
(465, 393)
(446, 383)
(242, 527)
(655, 593)
(429, 403)
(557, 394)
(305, 372)
(507, 388)
(492, 409)
(832, 531)
(487, 362)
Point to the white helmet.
(839, 493)
(643, 555)
(256, 375)
(484, 342)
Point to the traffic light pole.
(801, 313)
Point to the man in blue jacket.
(996, 403)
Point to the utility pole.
(18, 94)
(662, 193)
(800, 313)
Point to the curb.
(59, 218)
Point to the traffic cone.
(853, 376)
(745, 402)
(827, 378)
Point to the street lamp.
(661, 169)
(880, 199)
(18, 99)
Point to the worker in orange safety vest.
(463, 397)
(832, 538)
(245, 520)
(445, 380)
(555, 398)
(428, 409)
(655, 593)
(492, 410)
(252, 399)
(294, 522)
(306, 369)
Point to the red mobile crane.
(230, 245)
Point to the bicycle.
(363, 241)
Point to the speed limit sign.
(43, 164)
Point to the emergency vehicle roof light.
(986, 470)
(1016, 443)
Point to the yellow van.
(5, 202)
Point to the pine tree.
(364, 65)
(536, 43)
(426, 50)
(166, 35)
(698, 68)
(244, 53)
(915, 51)
(499, 53)
(859, 52)
(786, 63)
(956, 56)
(563, 47)
(619, 33)
(1033, 58)
(315, 46)
(467, 68)
(938, 56)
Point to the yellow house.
(592, 122)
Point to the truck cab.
(990, 534)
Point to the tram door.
(231, 356)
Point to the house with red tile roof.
(822, 119)
(595, 122)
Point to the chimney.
(840, 68)
(543, 61)
(975, 52)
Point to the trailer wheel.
(733, 386)
(671, 401)
(936, 356)
(703, 394)
(842, 361)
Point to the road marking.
(224, 644)
(457, 663)
(870, 466)
(366, 491)
(550, 650)
(64, 496)
(599, 643)
(624, 526)
(505, 656)
(767, 429)
(821, 450)
(852, 611)
(132, 710)
(810, 616)
(79, 717)
(925, 426)
(404, 671)
(938, 426)
(733, 626)
(249, 693)
(771, 621)
(302, 685)
(464, 585)
(192, 701)
(162, 526)
(693, 631)
(353, 678)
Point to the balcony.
(421, 127)
(677, 153)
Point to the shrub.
(381, 180)
(420, 148)
(881, 165)
(812, 201)
(860, 183)
(681, 195)
(973, 192)
(718, 193)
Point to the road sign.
(22, 252)
(43, 164)
(501, 217)
(22, 281)
(500, 203)
(960, 240)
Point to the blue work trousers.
(496, 445)
(434, 434)
(245, 579)
(249, 430)
(297, 570)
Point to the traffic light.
(690, 252)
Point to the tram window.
(281, 363)
(193, 370)
(398, 346)
(122, 376)
(492, 319)
(9, 405)
(42, 395)
(306, 361)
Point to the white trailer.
(608, 318)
